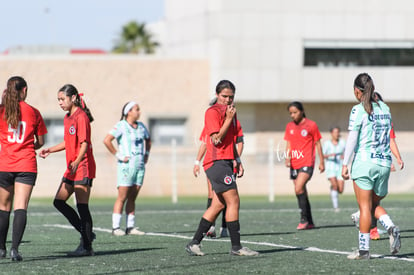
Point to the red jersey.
(77, 131)
(213, 120)
(302, 139)
(17, 152)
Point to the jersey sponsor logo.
(304, 133)
(228, 180)
(72, 130)
(373, 117)
(380, 156)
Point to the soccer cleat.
(118, 232)
(244, 251)
(305, 226)
(357, 256)
(81, 252)
(224, 232)
(395, 241)
(211, 233)
(134, 231)
(373, 234)
(15, 255)
(194, 249)
(355, 218)
(3, 253)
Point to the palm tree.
(135, 39)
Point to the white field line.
(310, 249)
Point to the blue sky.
(75, 23)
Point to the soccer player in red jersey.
(196, 171)
(222, 164)
(21, 133)
(303, 138)
(80, 169)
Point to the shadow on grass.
(334, 226)
(63, 255)
(268, 234)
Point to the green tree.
(135, 39)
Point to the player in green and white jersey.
(134, 144)
(369, 140)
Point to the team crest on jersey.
(291, 131)
(72, 130)
(304, 133)
(228, 180)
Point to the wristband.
(196, 162)
(238, 160)
(147, 153)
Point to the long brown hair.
(11, 98)
(365, 84)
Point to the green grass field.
(266, 227)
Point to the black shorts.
(85, 181)
(221, 176)
(305, 169)
(8, 179)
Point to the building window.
(358, 53)
(164, 130)
(55, 131)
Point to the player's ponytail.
(366, 85)
(10, 99)
(70, 91)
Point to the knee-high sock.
(303, 207)
(334, 198)
(19, 225)
(86, 224)
(69, 213)
(234, 230)
(4, 227)
(308, 210)
(202, 229)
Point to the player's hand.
(230, 112)
(345, 172)
(240, 170)
(73, 166)
(401, 163)
(44, 153)
(321, 167)
(287, 162)
(196, 170)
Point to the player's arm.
(321, 158)
(349, 150)
(237, 164)
(217, 137)
(396, 152)
(73, 166)
(111, 148)
(288, 156)
(147, 149)
(201, 151)
(39, 142)
(57, 148)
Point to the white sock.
(334, 197)
(116, 220)
(386, 221)
(364, 241)
(130, 221)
